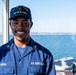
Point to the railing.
(73, 71)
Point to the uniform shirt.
(36, 60)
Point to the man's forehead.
(20, 18)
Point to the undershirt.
(21, 50)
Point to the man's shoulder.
(6, 45)
(41, 48)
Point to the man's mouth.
(20, 32)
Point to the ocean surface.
(59, 45)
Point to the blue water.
(59, 45)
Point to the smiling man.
(21, 27)
(22, 55)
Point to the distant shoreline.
(47, 33)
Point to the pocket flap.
(37, 69)
(4, 68)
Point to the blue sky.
(50, 15)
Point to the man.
(22, 55)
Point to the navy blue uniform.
(36, 60)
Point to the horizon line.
(48, 33)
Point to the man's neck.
(21, 44)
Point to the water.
(59, 45)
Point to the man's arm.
(50, 66)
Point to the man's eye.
(15, 23)
(25, 22)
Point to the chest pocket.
(38, 70)
(6, 69)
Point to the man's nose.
(20, 24)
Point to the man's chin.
(20, 39)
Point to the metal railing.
(73, 71)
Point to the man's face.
(21, 28)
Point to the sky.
(51, 16)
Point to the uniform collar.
(31, 46)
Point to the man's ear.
(31, 24)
